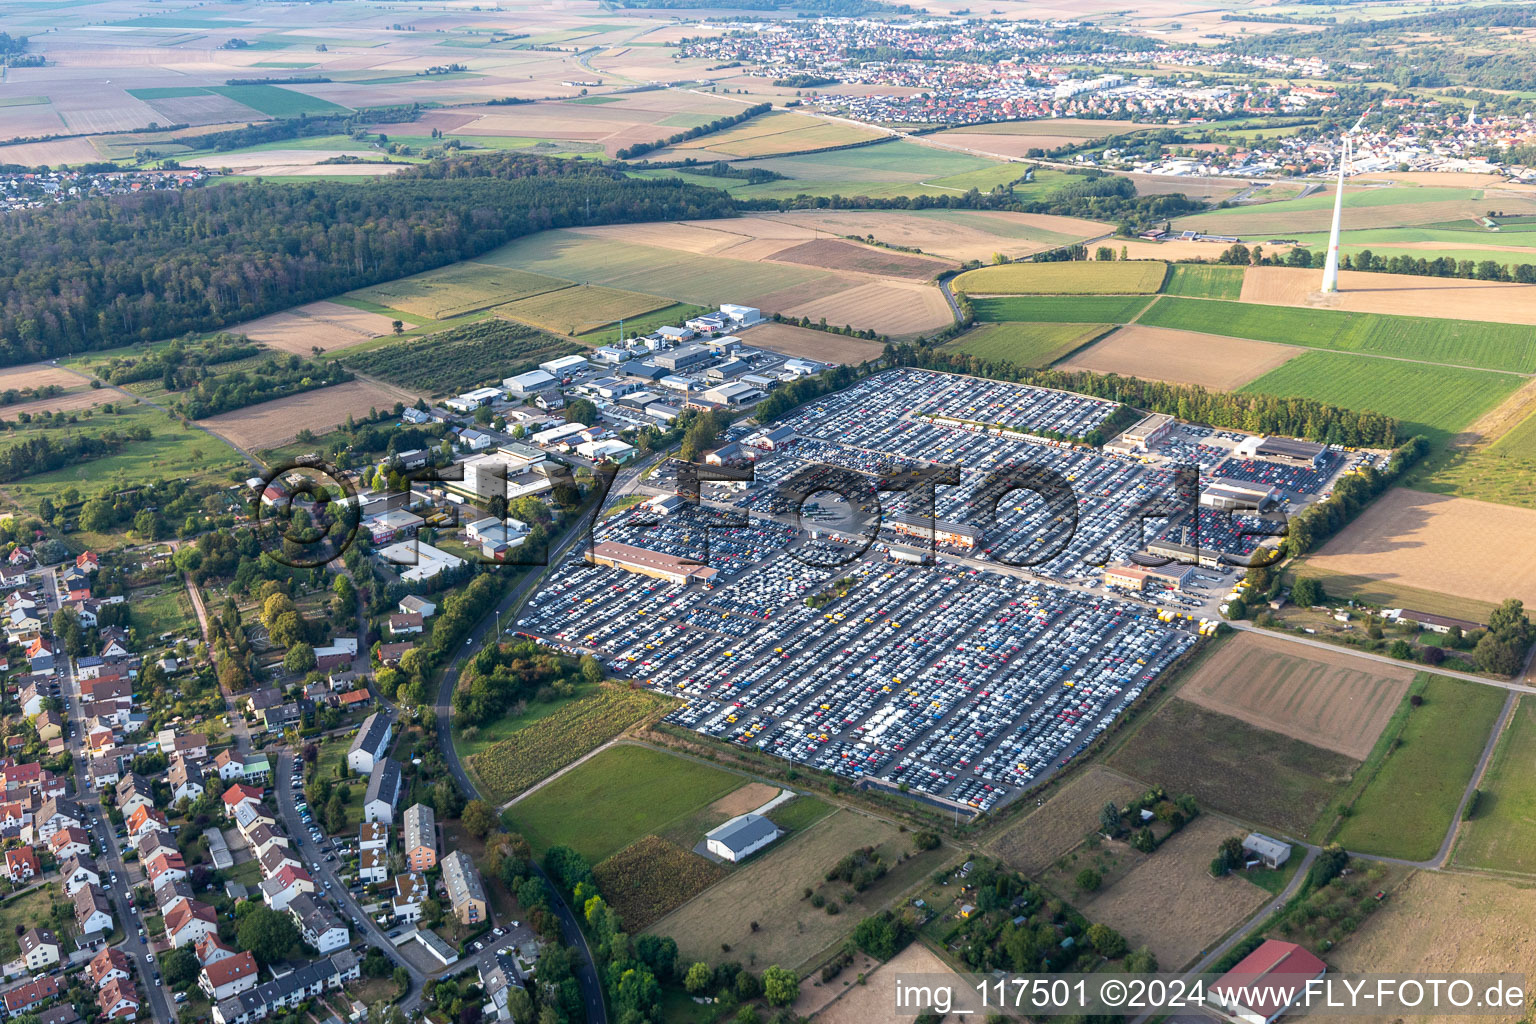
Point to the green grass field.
(1088, 309)
(672, 316)
(167, 93)
(23, 101)
(1234, 767)
(1474, 343)
(1138, 277)
(1409, 803)
(459, 288)
(1026, 344)
(582, 308)
(617, 796)
(1390, 594)
(1436, 401)
(1205, 282)
(681, 276)
(276, 101)
(1501, 834)
(1502, 471)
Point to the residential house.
(372, 835)
(228, 976)
(251, 769)
(40, 655)
(410, 893)
(69, 842)
(186, 778)
(29, 996)
(383, 792)
(50, 725)
(165, 864)
(54, 814)
(118, 999)
(189, 920)
(21, 864)
(145, 819)
(92, 911)
(170, 892)
(370, 743)
(237, 794)
(108, 965)
(134, 792)
(285, 884)
(465, 890)
(415, 604)
(288, 990)
(78, 870)
(192, 746)
(211, 949)
(372, 866)
(405, 625)
(318, 924)
(39, 949)
(420, 838)
(390, 654)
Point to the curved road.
(484, 631)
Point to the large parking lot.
(823, 638)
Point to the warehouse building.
(1291, 452)
(1149, 432)
(1230, 495)
(941, 531)
(649, 563)
(564, 365)
(741, 837)
(683, 356)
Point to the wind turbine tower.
(1331, 268)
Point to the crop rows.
(461, 358)
(649, 879)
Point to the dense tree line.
(718, 124)
(1351, 493)
(501, 675)
(42, 454)
(101, 272)
(169, 361)
(276, 377)
(302, 127)
(1256, 414)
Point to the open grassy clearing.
(1474, 343)
(1097, 309)
(887, 170)
(511, 765)
(1206, 282)
(1231, 766)
(1436, 401)
(1026, 344)
(459, 288)
(1140, 277)
(1499, 835)
(1410, 545)
(624, 793)
(1181, 357)
(770, 889)
(870, 1000)
(1499, 468)
(1410, 802)
(1169, 902)
(581, 308)
(1366, 207)
(1332, 700)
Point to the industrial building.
(1290, 451)
(1228, 495)
(741, 837)
(682, 357)
(649, 563)
(940, 531)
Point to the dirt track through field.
(1472, 549)
(1321, 698)
(1181, 357)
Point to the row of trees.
(718, 124)
(41, 453)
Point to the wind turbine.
(1331, 268)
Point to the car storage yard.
(814, 630)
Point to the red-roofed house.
(188, 921)
(238, 794)
(33, 994)
(211, 949)
(70, 842)
(108, 964)
(21, 864)
(165, 866)
(88, 561)
(118, 998)
(230, 976)
(145, 818)
(1271, 971)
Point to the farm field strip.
(1499, 835)
(1026, 344)
(1138, 277)
(1181, 357)
(1097, 309)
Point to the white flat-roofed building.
(416, 561)
(564, 365)
(531, 382)
(741, 315)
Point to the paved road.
(111, 859)
(483, 632)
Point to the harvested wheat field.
(804, 343)
(900, 309)
(1471, 549)
(748, 798)
(835, 254)
(952, 234)
(273, 423)
(1329, 699)
(1181, 357)
(1440, 921)
(1362, 292)
(35, 375)
(322, 325)
(871, 1002)
(1033, 844)
(700, 237)
(70, 401)
(1171, 904)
